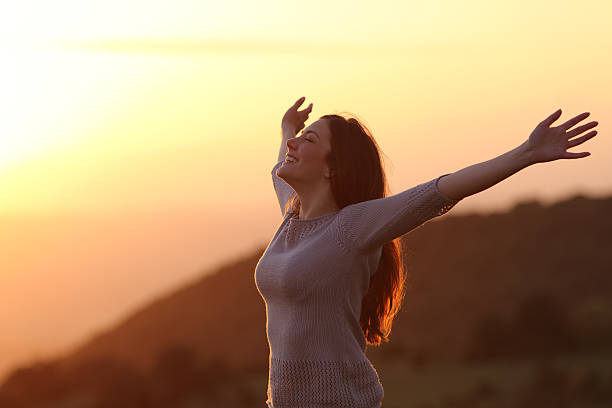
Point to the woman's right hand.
(293, 120)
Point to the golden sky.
(145, 116)
(143, 100)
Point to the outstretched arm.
(544, 144)
(367, 225)
(479, 177)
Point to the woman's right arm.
(292, 122)
(286, 133)
(282, 189)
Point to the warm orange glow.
(129, 108)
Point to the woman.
(332, 277)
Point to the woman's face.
(309, 149)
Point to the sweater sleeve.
(283, 190)
(370, 224)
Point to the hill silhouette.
(532, 282)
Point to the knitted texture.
(312, 277)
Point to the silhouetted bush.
(491, 339)
(542, 327)
(175, 373)
(115, 383)
(591, 322)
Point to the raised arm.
(286, 133)
(282, 189)
(369, 224)
(292, 122)
(544, 144)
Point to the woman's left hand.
(550, 143)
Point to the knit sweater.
(312, 277)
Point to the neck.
(317, 205)
(316, 199)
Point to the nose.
(291, 143)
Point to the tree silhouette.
(542, 326)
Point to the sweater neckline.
(295, 218)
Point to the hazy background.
(137, 138)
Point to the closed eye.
(302, 135)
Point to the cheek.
(311, 161)
(314, 165)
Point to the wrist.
(288, 131)
(525, 154)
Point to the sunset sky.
(132, 132)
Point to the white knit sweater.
(312, 277)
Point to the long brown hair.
(352, 142)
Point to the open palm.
(294, 119)
(551, 143)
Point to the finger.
(569, 155)
(581, 139)
(580, 129)
(299, 102)
(574, 120)
(549, 120)
(307, 110)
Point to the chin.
(280, 172)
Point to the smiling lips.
(290, 159)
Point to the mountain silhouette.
(534, 280)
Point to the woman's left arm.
(545, 144)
